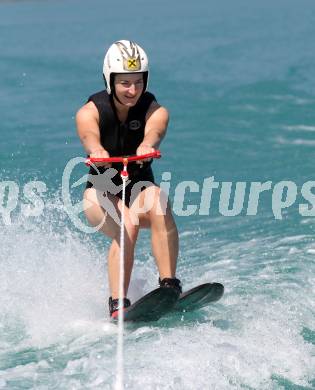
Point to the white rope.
(119, 385)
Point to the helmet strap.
(115, 95)
(112, 87)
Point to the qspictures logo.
(234, 197)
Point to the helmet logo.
(132, 64)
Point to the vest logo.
(134, 125)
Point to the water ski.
(163, 300)
(152, 306)
(199, 297)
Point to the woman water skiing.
(125, 119)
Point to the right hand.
(100, 153)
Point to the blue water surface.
(238, 79)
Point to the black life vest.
(122, 139)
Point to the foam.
(52, 301)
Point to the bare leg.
(165, 244)
(150, 213)
(95, 214)
(113, 263)
(164, 234)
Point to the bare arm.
(87, 120)
(155, 129)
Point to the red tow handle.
(124, 160)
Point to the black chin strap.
(115, 95)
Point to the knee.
(131, 231)
(90, 199)
(152, 200)
(92, 210)
(161, 206)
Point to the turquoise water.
(239, 82)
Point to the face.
(128, 87)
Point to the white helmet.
(125, 57)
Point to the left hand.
(144, 149)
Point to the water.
(239, 82)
